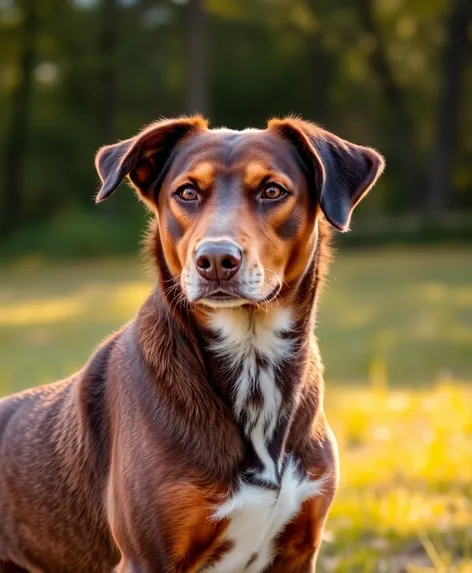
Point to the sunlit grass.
(56, 314)
(406, 479)
(395, 330)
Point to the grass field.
(395, 330)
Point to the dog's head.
(237, 210)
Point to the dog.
(194, 440)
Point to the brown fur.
(122, 464)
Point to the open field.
(405, 313)
(395, 329)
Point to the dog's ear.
(143, 157)
(343, 172)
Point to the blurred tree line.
(76, 74)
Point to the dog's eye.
(188, 194)
(273, 192)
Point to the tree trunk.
(107, 42)
(107, 96)
(12, 201)
(322, 61)
(196, 57)
(448, 110)
(405, 161)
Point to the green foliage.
(380, 231)
(265, 57)
(76, 234)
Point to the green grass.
(410, 311)
(395, 329)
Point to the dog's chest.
(252, 353)
(256, 515)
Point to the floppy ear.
(343, 172)
(143, 157)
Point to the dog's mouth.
(222, 298)
(221, 295)
(228, 298)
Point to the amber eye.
(273, 192)
(188, 194)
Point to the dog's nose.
(218, 260)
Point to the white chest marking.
(242, 338)
(256, 516)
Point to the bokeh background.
(395, 323)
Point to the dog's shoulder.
(17, 410)
(44, 413)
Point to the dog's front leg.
(128, 566)
(299, 544)
(299, 564)
(141, 566)
(139, 554)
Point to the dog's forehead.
(229, 148)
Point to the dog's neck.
(259, 359)
(262, 363)
(249, 354)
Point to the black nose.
(218, 260)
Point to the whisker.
(278, 277)
(171, 279)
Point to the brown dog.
(195, 440)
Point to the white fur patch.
(242, 335)
(257, 515)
